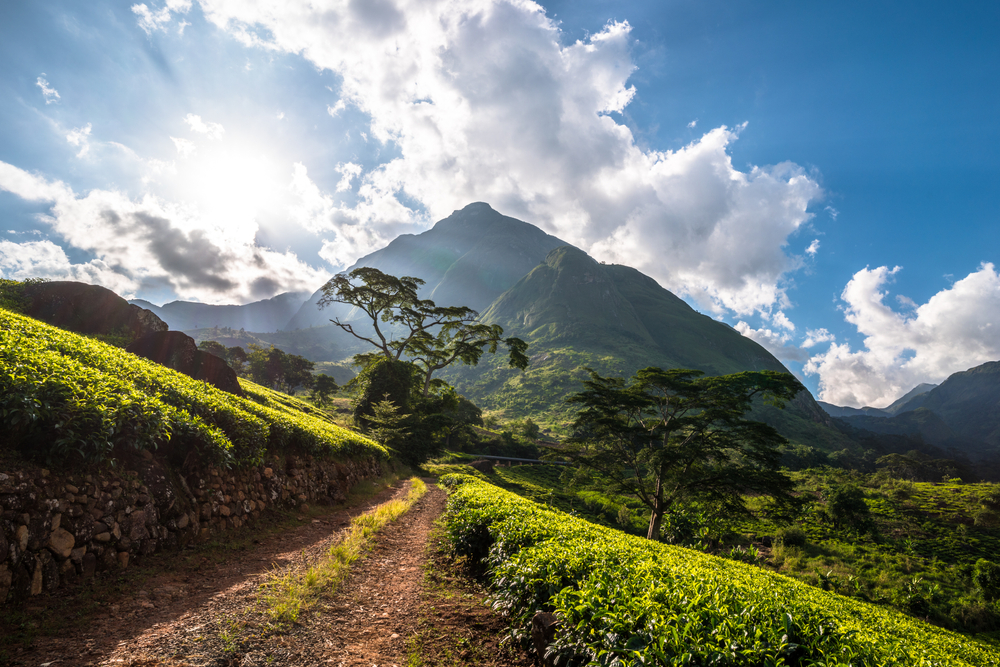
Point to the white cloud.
(693, 124)
(778, 343)
(336, 108)
(358, 230)
(280, 115)
(815, 337)
(813, 248)
(485, 101)
(184, 146)
(44, 259)
(212, 130)
(80, 137)
(150, 242)
(48, 92)
(955, 330)
(348, 172)
(152, 20)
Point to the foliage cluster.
(63, 396)
(391, 407)
(627, 601)
(672, 436)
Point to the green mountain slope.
(467, 259)
(969, 403)
(575, 312)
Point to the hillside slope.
(575, 313)
(64, 396)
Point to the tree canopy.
(406, 327)
(672, 435)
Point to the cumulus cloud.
(336, 108)
(813, 248)
(954, 330)
(48, 92)
(815, 337)
(484, 100)
(356, 230)
(44, 259)
(184, 146)
(778, 343)
(348, 172)
(80, 137)
(147, 241)
(212, 130)
(152, 20)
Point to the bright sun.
(233, 186)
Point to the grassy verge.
(457, 627)
(287, 595)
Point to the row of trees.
(274, 368)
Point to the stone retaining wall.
(57, 527)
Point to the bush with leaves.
(846, 507)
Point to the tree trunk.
(656, 516)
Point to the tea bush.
(63, 396)
(623, 600)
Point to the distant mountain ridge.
(268, 315)
(911, 400)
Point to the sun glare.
(233, 187)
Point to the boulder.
(543, 632)
(89, 309)
(178, 351)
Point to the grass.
(286, 596)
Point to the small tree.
(387, 424)
(672, 435)
(986, 576)
(323, 388)
(846, 507)
(212, 347)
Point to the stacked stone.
(58, 528)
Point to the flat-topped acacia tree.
(406, 327)
(671, 435)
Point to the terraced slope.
(64, 395)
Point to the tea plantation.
(65, 396)
(624, 600)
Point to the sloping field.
(62, 394)
(623, 600)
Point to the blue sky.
(822, 176)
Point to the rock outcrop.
(178, 351)
(89, 309)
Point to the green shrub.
(627, 601)
(986, 576)
(792, 536)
